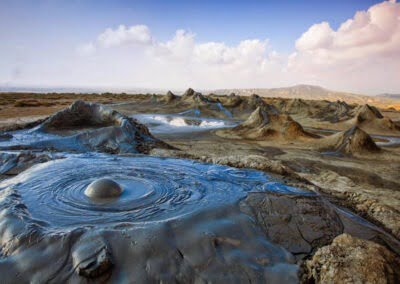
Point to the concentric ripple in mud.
(154, 189)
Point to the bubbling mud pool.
(153, 189)
(165, 123)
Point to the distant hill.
(390, 96)
(310, 92)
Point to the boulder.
(352, 260)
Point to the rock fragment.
(352, 260)
(91, 256)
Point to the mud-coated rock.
(352, 260)
(299, 223)
(91, 256)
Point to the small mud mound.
(242, 106)
(82, 115)
(296, 106)
(232, 101)
(169, 97)
(341, 111)
(321, 110)
(367, 112)
(351, 141)
(369, 118)
(192, 96)
(255, 101)
(352, 260)
(93, 127)
(266, 123)
(332, 111)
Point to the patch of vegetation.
(33, 103)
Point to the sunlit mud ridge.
(91, 127)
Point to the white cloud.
(245, 53)
(362, 55)
(123, 35)
(318, 36)
(86, 49)
(181, 60)
(180, 47)
(372, 34)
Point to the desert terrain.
(227, 186)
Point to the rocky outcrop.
(266, 123)
(352, 260)
(351, 141)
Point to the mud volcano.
(85, 127)
(267, 123)
(351, 141)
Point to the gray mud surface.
(200, 208)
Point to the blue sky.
(229, 21)
(45, 34)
